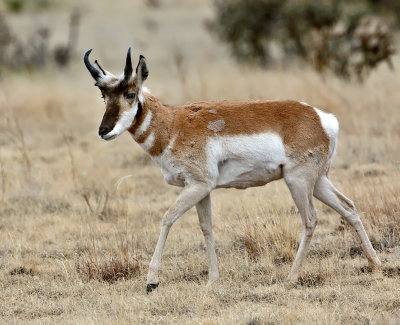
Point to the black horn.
(128, 65)
(93, 70)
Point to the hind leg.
(204, 213)
(301, 185)
(328, 194)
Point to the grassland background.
(52, 164)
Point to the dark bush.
(331, 35)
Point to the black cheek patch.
(139, 110)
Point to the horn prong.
(98, 65)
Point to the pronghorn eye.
(130, 96)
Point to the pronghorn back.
(298, 125)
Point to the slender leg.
(301, 190)
(190, 196)
(328, 194)
(205, 219)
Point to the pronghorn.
(208, 145)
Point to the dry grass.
(79, 217)
(110, 266)
(274, 235)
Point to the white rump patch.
(329, 123)
(216, 126)
(331, 127)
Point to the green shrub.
(15, 5)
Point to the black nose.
(103, 130)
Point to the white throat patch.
(123, 123)
(148, 143)
(144, 126)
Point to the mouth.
(108, 137)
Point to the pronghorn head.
(122, 95)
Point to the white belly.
(241, 173)
(245, 161)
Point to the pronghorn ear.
(141, 71)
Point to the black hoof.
(150, 287)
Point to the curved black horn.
(93, 71)
(128, 65)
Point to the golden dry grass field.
(77, 213)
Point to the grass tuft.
(22, 270)
(311, 280)
(382, 216)
(109, 266)
(273, 233)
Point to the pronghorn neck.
(152, 126)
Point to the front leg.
(190, 196)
